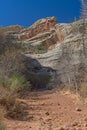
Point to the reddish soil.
(51, 111)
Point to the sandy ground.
(51, 111)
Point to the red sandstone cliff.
(45, 30)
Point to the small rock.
(59, 107)
(47, 113)
(43, 104)
(85, 125)
(61, 128)
(31, 118)
(85, 119)
(78, 109)
(79, 125)
(47, 120)
(75, 124)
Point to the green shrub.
(34, 49)
(14, 83)
(39, 49)
(18, 82)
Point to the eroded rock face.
(68, 59)
(65, 61)
(40, 26)
(45, 31)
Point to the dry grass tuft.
(12, 107)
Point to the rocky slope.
(65, 59)
(50, 110)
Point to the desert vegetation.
(12, 81)
(52, 69)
